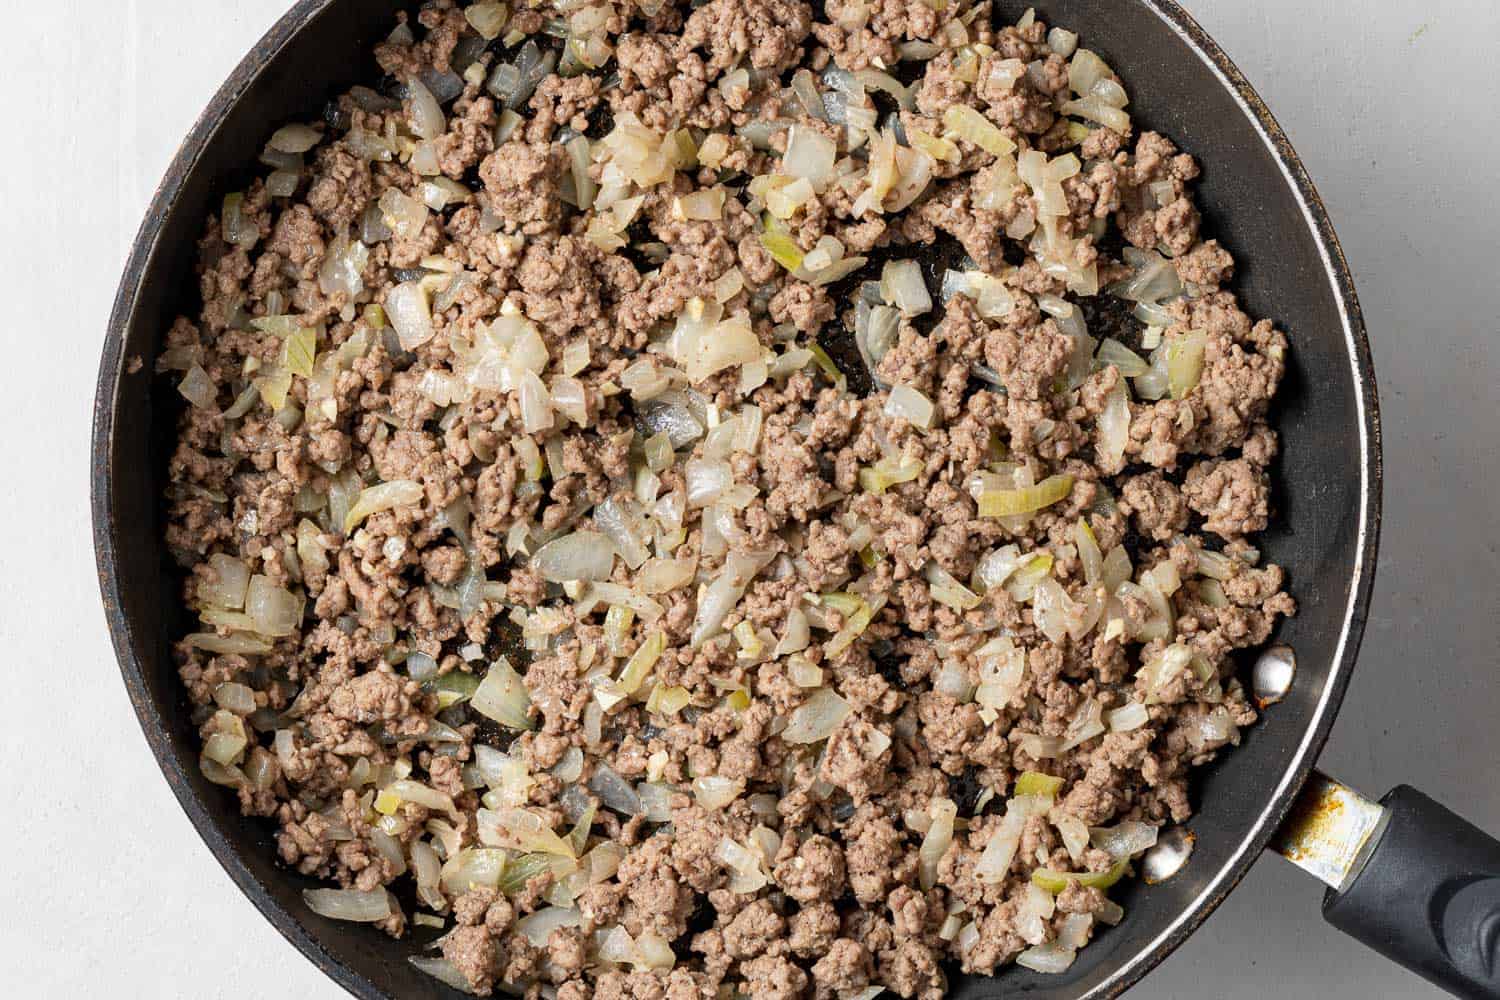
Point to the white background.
(107, 886)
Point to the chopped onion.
(1050, 958)
(247, 645)
(706, 481)
(381, 497)
(538, 926)
(236, 229)
(714, 792)
(1026, 499)
(406, 216)
(1214, 728)
(342, 270)
(968, 124)
(1163, 668)
(295, 138)
(584, 188)
(809, 155)
(614, 791)
(873, 79)
(817, 718)
(520, 829)
(1132, 715)
(1124, 840)
(197, 388)
(1130, 364)
(442, 970)
(427, 121)
(274, 610)
(407, 309)
(656, 801)
(721, 596)
(502, 696)
(472, 868)
(225, 587)
(487, 18)
(582, 555)
(365, 906)
(901, 285)
(936, 841)
(1085, 70)
(910, 405)
(621, 522)
(748, 877)
(947, 590)
(1185, 362)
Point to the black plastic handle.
(1428, 897)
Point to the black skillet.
(1424, 885)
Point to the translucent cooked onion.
(364, 906)
(1132, 715)
(1184, 354)
(405, 216)
(713, 792)
(817, 718)
(1161, 669)
(381, 497)
(1094, 109)
(520, 829)
(1124, 840)
(809, 155)
(502, 696)
(1152, 277)
(225, 586)
(581, 555)
(584, 188)
(538, 926)
(343, 268)
(968, 124)
(487, 18)
(745, 865)
(295, 138)
(1130, 364)
(1050, 958)
(427, 121)
(706, 481)
(936, 841)
(1026, 499)
(1212, 729)
(901, 285)
(947, 590)
(614, 791)
(1085, 70)
(910, 405)
(873, 79)
(274, 610)
(443, 971)
(197, 388)
(407, 309)
(472, 868)
(656, 801)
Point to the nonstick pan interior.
(1256, 200)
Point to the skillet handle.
(1427, 896)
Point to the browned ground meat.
(765, 634)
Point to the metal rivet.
(1272, 676)
(1171, 851)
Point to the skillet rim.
(1335, 270)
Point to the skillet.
(1408, 877)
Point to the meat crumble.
(725, 499)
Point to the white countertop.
(106, 884)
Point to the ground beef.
(630, 561)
